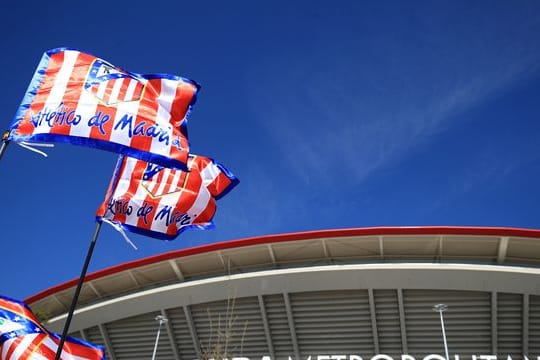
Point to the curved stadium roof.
(355, 291)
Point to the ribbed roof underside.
(361, 322)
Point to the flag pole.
(77, 291)
(5, 143)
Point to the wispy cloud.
(350, 119)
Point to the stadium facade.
(337, 294)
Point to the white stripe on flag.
(123, 184)
(86, 108)
(101, 89)
(163, 182)
(65, 354)
(56, 94)
(23, 345)
(38, 356)
(209, 173)
(130, 90)
(167, 200)
(165, 100)
(124, 109)
(5, 347)
(203, 197)
(136, 202)
(125, 180)
(115, 91)
(174, 184)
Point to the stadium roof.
(354, 291)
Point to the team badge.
(112, 85)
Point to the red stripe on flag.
(13, 346)
(103, 120)
(120, 216)
(207, 214)
(189, 194)
(123, 90)
(109, 84)
(155, 201)
(18, 309)
(110, 190)
(138, 90)
(33, 347)
(219, 185)
(134, 182)
(146, 114)
(79, 350)
(221, 181)
(153, 185)
(73, 92)
(53, 67)
(183, 97)
(46, 351)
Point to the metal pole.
(440, 308)
(161, 320)
(77, 291)
(5, 143)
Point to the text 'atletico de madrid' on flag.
(23, 337)
(159, 202)
(80, 99)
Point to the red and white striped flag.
(160, 202)
(44, 346)
(84, 100)
(22, 336)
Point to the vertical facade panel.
(510, 324)
(333, 322)
(387, 315)
(534, 326)
(279, 326)
(467, 322)
(181, 334)
(134, 338)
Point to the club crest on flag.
(159, 181)
(112, 85)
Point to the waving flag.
(23, 337)
(17, 319)
(80, 99)
(44, 346)
(159, 202)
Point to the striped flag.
(44, 347)
(23, 337)
(84, 100)
(160, 202)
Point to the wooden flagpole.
(77, 291)
(5, 143)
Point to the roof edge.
(296, 236)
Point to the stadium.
(350, 294)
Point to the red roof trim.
(298, 236)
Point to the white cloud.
(351, 121)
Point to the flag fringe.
(31, 147)
(119, 228)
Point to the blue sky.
(332, 114)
